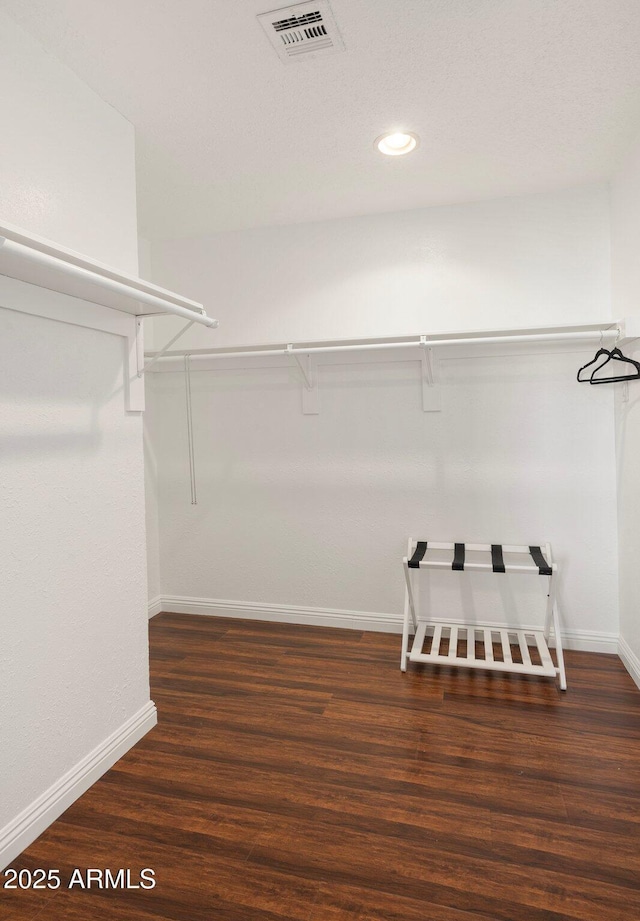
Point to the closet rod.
(424, 341)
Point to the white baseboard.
(629, 659)
(26, 827)
(589, 641)
(154, 606)
(283, 613)
(585, 640)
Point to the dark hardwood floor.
(296, 774)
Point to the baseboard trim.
(283, 613)
(629, 659)
(26, 827)
(585, 640)
(589, 641)
(154, 606)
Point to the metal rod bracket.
(152, 361)
(431, 401)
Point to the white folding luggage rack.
(521, 651)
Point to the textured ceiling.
(508, 97)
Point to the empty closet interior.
(325, 317)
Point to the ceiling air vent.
(303, 30)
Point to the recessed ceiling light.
(397, 143)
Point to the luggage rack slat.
(489, 662)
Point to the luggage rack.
(483, 646)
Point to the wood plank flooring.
(297, 775)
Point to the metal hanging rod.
(588, 334)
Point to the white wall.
(66, 167)
(625, 237)
(73, 657)
(514, 262)
(314, 511)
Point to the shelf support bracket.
(431, 400)
(303, 371)
(145, 367)
(309, 372)
(134, 360)
(136, 367)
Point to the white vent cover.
(304, 30)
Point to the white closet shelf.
(426, 348)
(40, 262)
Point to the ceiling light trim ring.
(396, 143)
